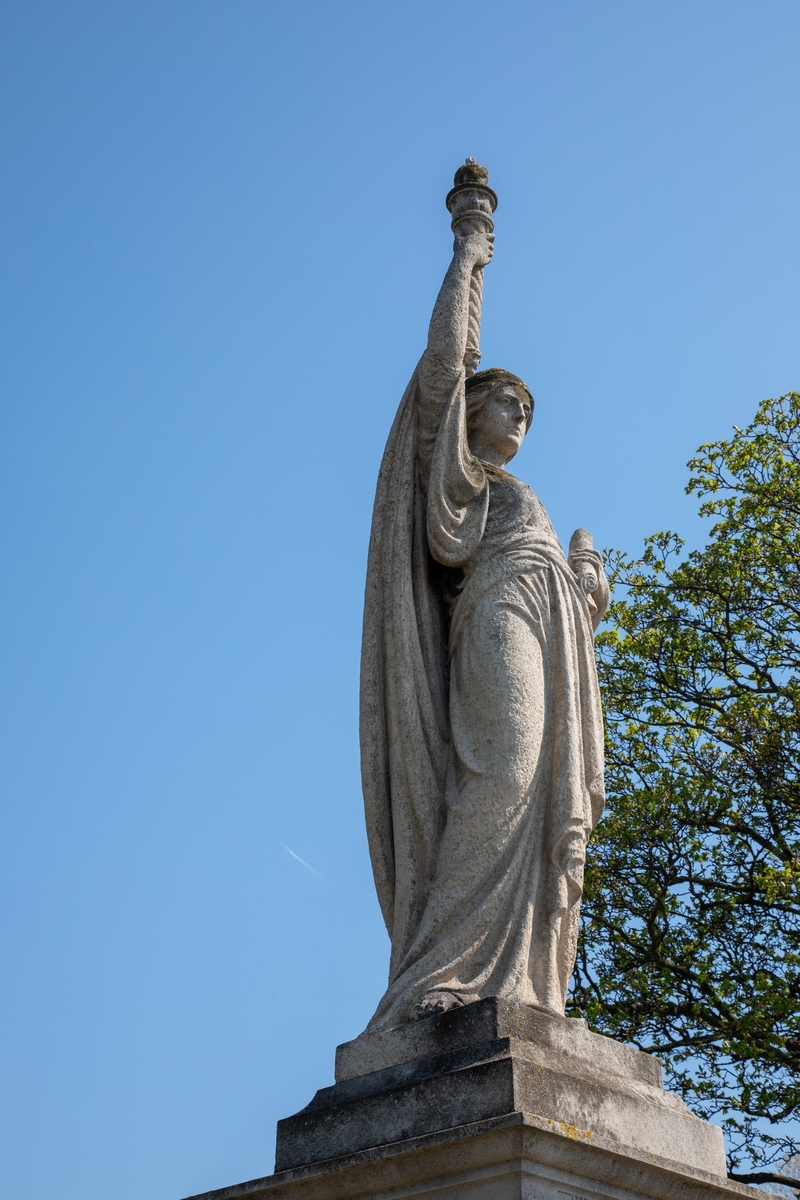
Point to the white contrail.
(303, 863)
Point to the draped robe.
(481, 725)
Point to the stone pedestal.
(491, 1102)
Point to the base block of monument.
(494, 1101)
(515, 1157)
(487, 1060)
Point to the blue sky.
(223, 229)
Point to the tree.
(691, 938)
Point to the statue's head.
(499, 413)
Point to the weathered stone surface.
(516, 1157)
(481, 722)
(488, 1060)
(561, 1040)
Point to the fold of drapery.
(503, 911)
(404, 721)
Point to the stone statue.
(481, 725)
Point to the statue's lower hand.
(588, 567)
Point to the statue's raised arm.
(481, 727)
(454, 332)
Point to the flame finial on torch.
(472, 176)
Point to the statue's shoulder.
(503, 478)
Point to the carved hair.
(479, 387)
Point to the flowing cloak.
(477, 859)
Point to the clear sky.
(223, 229)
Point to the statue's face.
(498, 427)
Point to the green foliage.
(691, 941)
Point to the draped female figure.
(481, 725)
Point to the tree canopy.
(691, 936)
